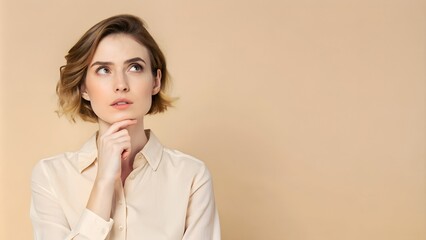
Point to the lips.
(121, 104)
(121, 101)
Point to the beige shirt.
(168, 195)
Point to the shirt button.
(139, 155)
(132, 176)
(120, 202)
(121, 228)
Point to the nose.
(121, 84)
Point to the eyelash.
(102, 68)
(138, 66)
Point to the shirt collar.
(87, 154)
(153, 150)
(152, 153)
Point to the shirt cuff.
(92, 226)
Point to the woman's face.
(119, 82)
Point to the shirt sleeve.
(48, 218)
(202, 221)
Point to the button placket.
(120, 216)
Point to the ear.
(157, 83)
(84, 93)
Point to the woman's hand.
(113, 147)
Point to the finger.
(116, 141)
(118, 135)
(125, 155)
(125, 149)
(107, 141)
(120, 125)
(123, 137)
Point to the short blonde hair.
(73, 73)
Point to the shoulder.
(173, 163)
(185, 163)
(68, 162)
(54, 165)
(179, 158)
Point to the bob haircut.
(73, 73)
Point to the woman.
(122, 184)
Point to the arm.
(202, 221)
(48, 219)
(47, 214)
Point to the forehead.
(118, 48)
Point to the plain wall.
(310, 114)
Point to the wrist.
(105, 182)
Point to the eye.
(136, 67)
(102, 70)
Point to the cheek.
(143, 88)
(146, 97)
(95, 90)
(97, 97)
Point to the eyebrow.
(136, 59)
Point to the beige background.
(310, 114)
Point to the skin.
(120, 69)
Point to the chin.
(112, 120)
(125, 117)
(117, 117)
